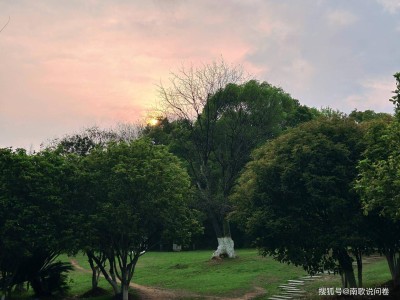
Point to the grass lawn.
(375, 274)
(194, 273)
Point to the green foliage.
(330, 113)
(378, 182)
(295, 198)
(33, 214)
(368, 115)
(378, 186)
(46, 276)
(84, 142)
(136, 193)
(396, 97)
(140, 187)
(217, 143)
(375, 271)
(379, 170)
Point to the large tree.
(218, 121)
(295, 197)
(378, 182)
(135, 191)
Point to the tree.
(378, 188)
(80, 145)
(218, 121)
(136, 192)
(378, 182)
(295, 197)
(83, 142)
(396, 97)
(34, 225)
(368, 115)
(190, 88)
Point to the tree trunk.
(394, 265)
(123, 279)
(95, 279)
(6, 282)
(342, 278)
(346, 266)
(37, 287)
(125, 292)
(226, 247)
(111, 279)
(95, 272)
(350, 278)
(3, 288)
(126, 276)
(358, 255)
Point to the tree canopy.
(296, 199)
(378, 182)
(135, 192)
(34, 217)
(215, 132)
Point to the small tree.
(81, 144)
(137, 191)
(34, 221)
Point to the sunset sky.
(65, 65)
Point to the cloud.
(88, 62)
(68, 64)
(392, 6)
(375, 92)
(341, 18)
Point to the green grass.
(193, 273)
(81, 282)
(375, 274)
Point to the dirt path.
(151, 293)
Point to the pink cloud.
(75, 66)
(68, 64)
(376, 94)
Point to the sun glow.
(153, 122)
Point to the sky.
(67, 65)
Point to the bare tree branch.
(5, 24)
(189, 88)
